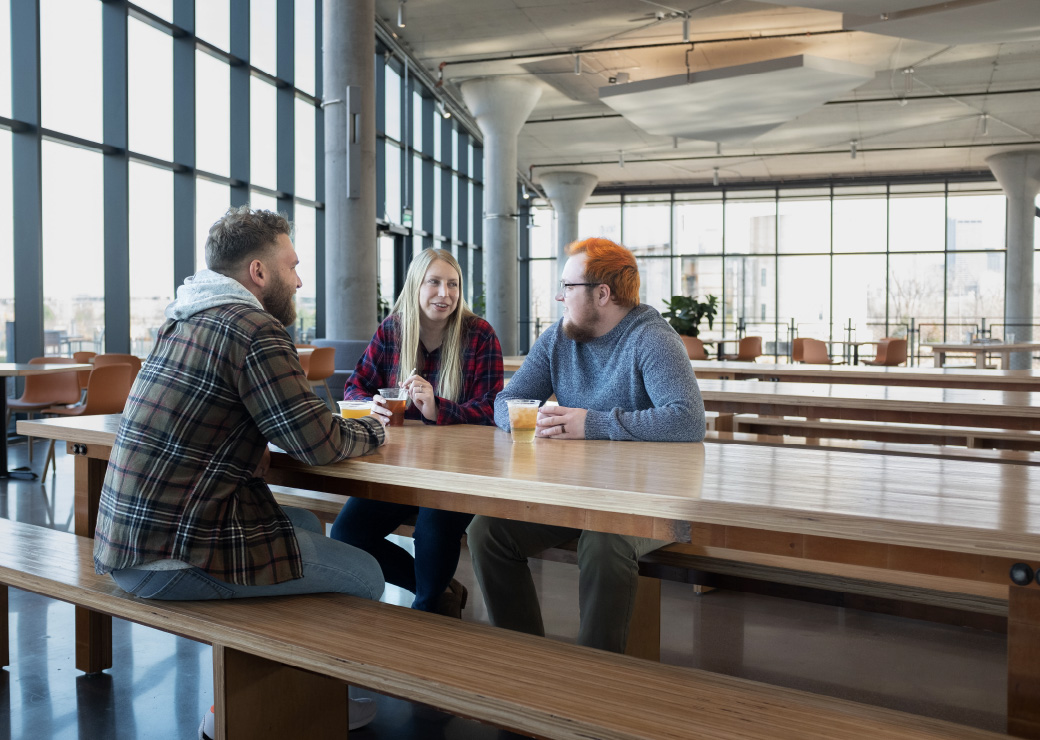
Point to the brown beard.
(575, 332)
(280, 303)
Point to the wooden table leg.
(256, 697)
(93, 630)
(1024, 661)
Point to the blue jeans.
(365, 524)
(328, 566)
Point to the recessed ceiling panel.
(734, 104)
(953, 23)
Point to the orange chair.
(114, 358)
(797, 349)
(319, 367)
(890, 351)
(749, 350)
(815, 353)
(83, 358)
(694, 347)
(107, 391)
(42, 391)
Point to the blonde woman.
(450, 362)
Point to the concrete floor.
(162, 684)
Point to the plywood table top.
(19, 369)
(950, 505)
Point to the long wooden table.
(949, 519)
(980, 350)
(945, 406)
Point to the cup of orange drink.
(354, 409)
(523, 415)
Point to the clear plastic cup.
(523, 418)
(354, 409)
(396, 402)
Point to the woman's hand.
(420, 391)
(379, 409)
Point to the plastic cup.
(396, 402)
(1009, 337)
(354, 409)
(523, 417)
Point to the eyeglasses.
(564, 285)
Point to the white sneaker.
(362, 711)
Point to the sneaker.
(208, 728)
(453, 600)
(362, 711)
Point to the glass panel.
(6, 245)
(435, 121)
(859, 297)
(542, 233)
(975, 222)
(915, 285)
(151, 253)
(305, 239)
(161, 8)
(263, 35)
(71, 92)
(860, 224)
(647, 228)
(454, 206)
(5, 66)
(698, 228)
(974, 289)
(393, 183)
(303, 59)
(437, 226)
(212, 199)
(417, 121)
(73, 243)
(804, 295)
(916, 224)
(600, 220)
(750, 290)
(542, 274)
(263, 144)
(212, 115)
(261, 201)
(454, 148)
(393, 103)
(213, 22)
(750, 227)
(655, 280)
(386, 270)
(417, 209)
(150, 90)
(306, 177)
(805, 226)
(699, 277)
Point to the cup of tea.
(523, 416)
(396, 403)
(354, 409)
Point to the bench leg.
(1024, 662)
(256, 697)
(5, 633)
(644, 632)
(93, 630)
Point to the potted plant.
(685, 313)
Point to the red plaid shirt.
(481, 372)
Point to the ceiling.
(938, 100)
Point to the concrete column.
(500, 106)
(1019, 175)
(348, 43)
(567, 191)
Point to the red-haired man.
(619, 371)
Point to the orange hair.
(611, 264)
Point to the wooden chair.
(114, 358)
(797, 350)
(694, 347)
(815, 353)
(107, 391)
(42, 391)
(890, 351)
(749, 350)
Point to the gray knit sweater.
(636, 381)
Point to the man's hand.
(560, 422)
(264, 465)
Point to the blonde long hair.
(406, 309)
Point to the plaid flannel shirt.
(180, 483)
(481, 372)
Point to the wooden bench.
(282, 666)
(925, 434)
